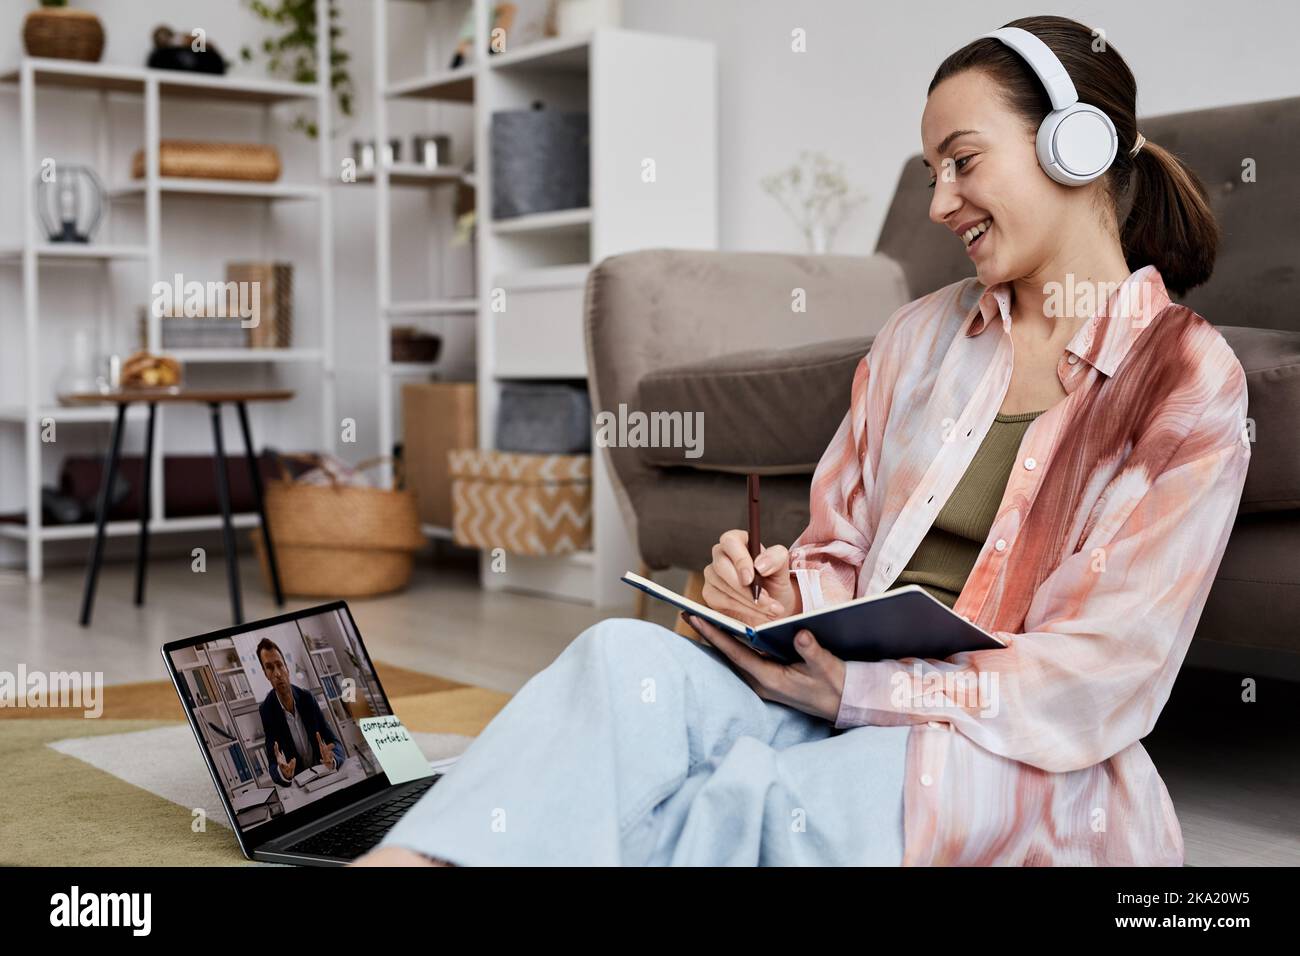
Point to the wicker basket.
(406, 343)
(338, 540)
(192, 159)
(64, 34)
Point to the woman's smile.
(980, 240)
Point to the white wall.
(858, 91)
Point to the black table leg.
(101, 515)
(142, 542)
(227, 528)
(256, 476)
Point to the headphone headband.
(1045, 64)
(1076, 142)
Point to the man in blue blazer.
(297, 734)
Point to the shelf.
(113, 529)
(545, 277)
(108, 78)
(455, 86)
(75, 251)
(196, 86)
(559, 54)
(560, 223)
(69, 414)
(467, 304)
(221, 188)
(409, 174)
(232, 356)
(410, 368)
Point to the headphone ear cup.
(1077, 144)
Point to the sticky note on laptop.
(399, 755)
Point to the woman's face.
(992, 174)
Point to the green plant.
(293, 53)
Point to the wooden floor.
(1232, 768)
(442, 624)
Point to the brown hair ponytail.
(1170, 224)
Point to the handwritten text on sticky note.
(397, 751)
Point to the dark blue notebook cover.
(901, 623)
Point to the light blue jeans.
(640, 747)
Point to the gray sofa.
(715, 331)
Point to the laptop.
(298, 780)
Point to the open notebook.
(893, 625)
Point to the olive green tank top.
(945, 556)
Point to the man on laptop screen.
(297, 734)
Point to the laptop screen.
(277, 709)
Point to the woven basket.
(337, 540)
(192, 159)
(63, 33)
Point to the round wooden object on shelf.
(64, 33)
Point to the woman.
(1052, 448)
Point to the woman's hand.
(814, 686)
(728, 579)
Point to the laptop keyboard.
(350, 838)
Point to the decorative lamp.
(71, 204)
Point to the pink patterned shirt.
(1095, 571)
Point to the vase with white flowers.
(817, 197)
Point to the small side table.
(214, 399)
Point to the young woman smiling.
(1065, 478)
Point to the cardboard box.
(526, 504)
(437, 418)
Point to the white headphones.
(1076, 142)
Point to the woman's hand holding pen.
(815, 685)
(729, 578)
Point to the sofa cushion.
(687, 511)
(770, 412)
(1271, 360)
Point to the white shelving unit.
(649, 97)
(32, 255)
(434, 84)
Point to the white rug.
(166, 762)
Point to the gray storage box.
(541, 162)
(548, 419)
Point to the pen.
(754, 547)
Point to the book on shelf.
(241, 763)
(333, 688)
(225, 734)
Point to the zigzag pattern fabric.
(527, 504)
